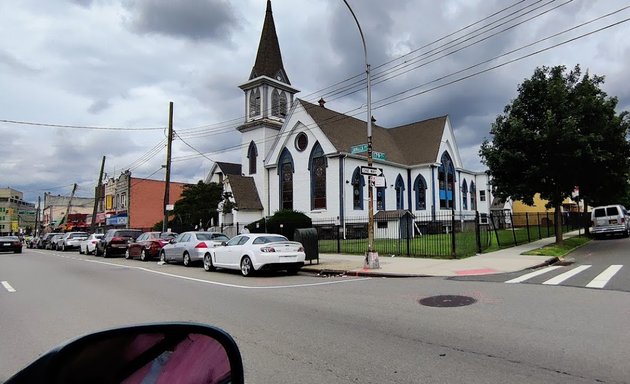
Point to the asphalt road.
(599, 264)
(308, 329)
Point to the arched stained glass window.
(317, 166)
(420, 188)
(473, 196)
(400, 192)
(380, 197)
(464, 195)
(446, 179)
(252, 155)
(358, 182)
(285, 171)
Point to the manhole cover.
(445, 301)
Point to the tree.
(560, 132)
(197, 205)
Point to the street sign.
(377, 181)
(359, 148)
(371, 171)
(379, 156)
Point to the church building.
(307, 157)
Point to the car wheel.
(18, 251)
(127, 254)
(63, 248)
(163, 257)
(207, 263)
(105, 253)
(80, 250)
(247, 269)
(143, 255)
(293, 270)
(187, 261)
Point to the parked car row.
(247, 253)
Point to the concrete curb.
(363, 273)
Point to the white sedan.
(256, 251)
(88, 246)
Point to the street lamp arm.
(360, 31)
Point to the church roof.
(245, 192)
(269, 59)
(229, 168)
(411, 144)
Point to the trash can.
(308, 238)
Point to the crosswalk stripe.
(531, 274)
(567, 275)
(603, 278)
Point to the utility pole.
(36, 229)
(97, 196)
(168, 167)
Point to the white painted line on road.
(531, 274)
(226, 284)
(567, 275)
(8, 286)
(603, 278)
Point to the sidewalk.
(505, 260)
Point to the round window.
(301, 141)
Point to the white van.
(610, 219)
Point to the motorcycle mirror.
(155, 353)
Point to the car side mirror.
(223, 243)
(166, 352)
(172, 241)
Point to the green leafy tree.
(198, 204)
(560, 132)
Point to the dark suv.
(115, 241)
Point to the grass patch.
(567, 246)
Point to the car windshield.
(127, 234)
(269, 239)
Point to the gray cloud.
(214, 20)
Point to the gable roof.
(229, 168)
(268, 58)
(411, 144)
(244, 192)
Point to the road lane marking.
(532, 274)
(567, 275)
(603, 278)
(216, 282)
(8, 286)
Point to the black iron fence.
(440, 235)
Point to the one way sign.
(371, 171)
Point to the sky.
(83, 79)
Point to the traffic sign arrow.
(371, 171)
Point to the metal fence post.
(337, 229)
(453, 249)
(478, 231)
(548, 233)
(513, 230)
(529, 240)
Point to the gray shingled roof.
(229, 168)
(268, 59)
(392, 215)
(245, 192)
(411, 144)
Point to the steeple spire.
(269, 59)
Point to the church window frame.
(317, 166)
(285, 172)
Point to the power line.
(79, 126)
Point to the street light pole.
(371, 257)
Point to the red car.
(147, 246)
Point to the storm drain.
(446, 301)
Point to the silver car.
(71, 240)
(190, 247)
